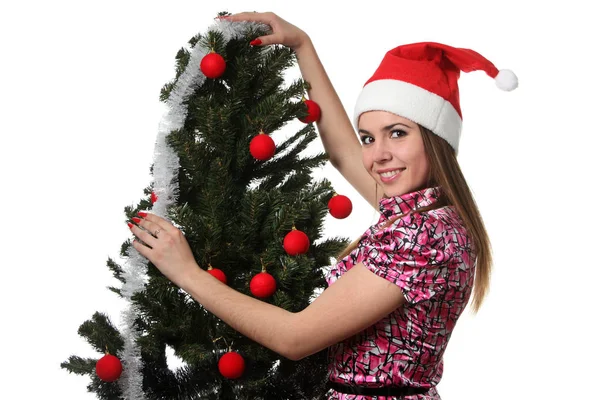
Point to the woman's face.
(393, 152)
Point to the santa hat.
(419, 82)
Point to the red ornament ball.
(296, 242)
(217, 273)
(263, 285)
(314, 112)
(153, 198)
(109, 368)
(340, 206)
(262, 147)
(232, 365)
(212, 65)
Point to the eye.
(364, 139)
(399, 132)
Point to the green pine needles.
(235, 211)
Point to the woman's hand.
(283, 32)
(166, 247)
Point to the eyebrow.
(385, 128)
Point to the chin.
(391, 192)
(403, 189)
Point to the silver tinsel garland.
(166, 187)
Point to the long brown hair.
(444, 171)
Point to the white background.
(79, 111)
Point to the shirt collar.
(401, 204)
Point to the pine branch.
(101, 334)
(115, 290)
(116, 269)
(79, 366)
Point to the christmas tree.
(245, 206)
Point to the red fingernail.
(129, 224)
(256, 42)
(142, 214)
(136, 220)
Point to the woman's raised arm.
(334, 126)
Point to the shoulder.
(434, 231)
(446, 219)
(436, 222)
(448, 223)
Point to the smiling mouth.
(390, 174)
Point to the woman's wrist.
(303, 44)
(193, 275)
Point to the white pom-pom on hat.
(506, 80)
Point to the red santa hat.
(419, 82)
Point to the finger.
(252, 16)
(142, 249)
(266, 40)
(143, 235)
(160, 222)
(149, 226)
(267, 18)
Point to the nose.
(381, 151)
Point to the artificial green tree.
(235, 211)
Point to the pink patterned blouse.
(431, 258)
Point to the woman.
(399, 288)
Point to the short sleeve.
(412, 254)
